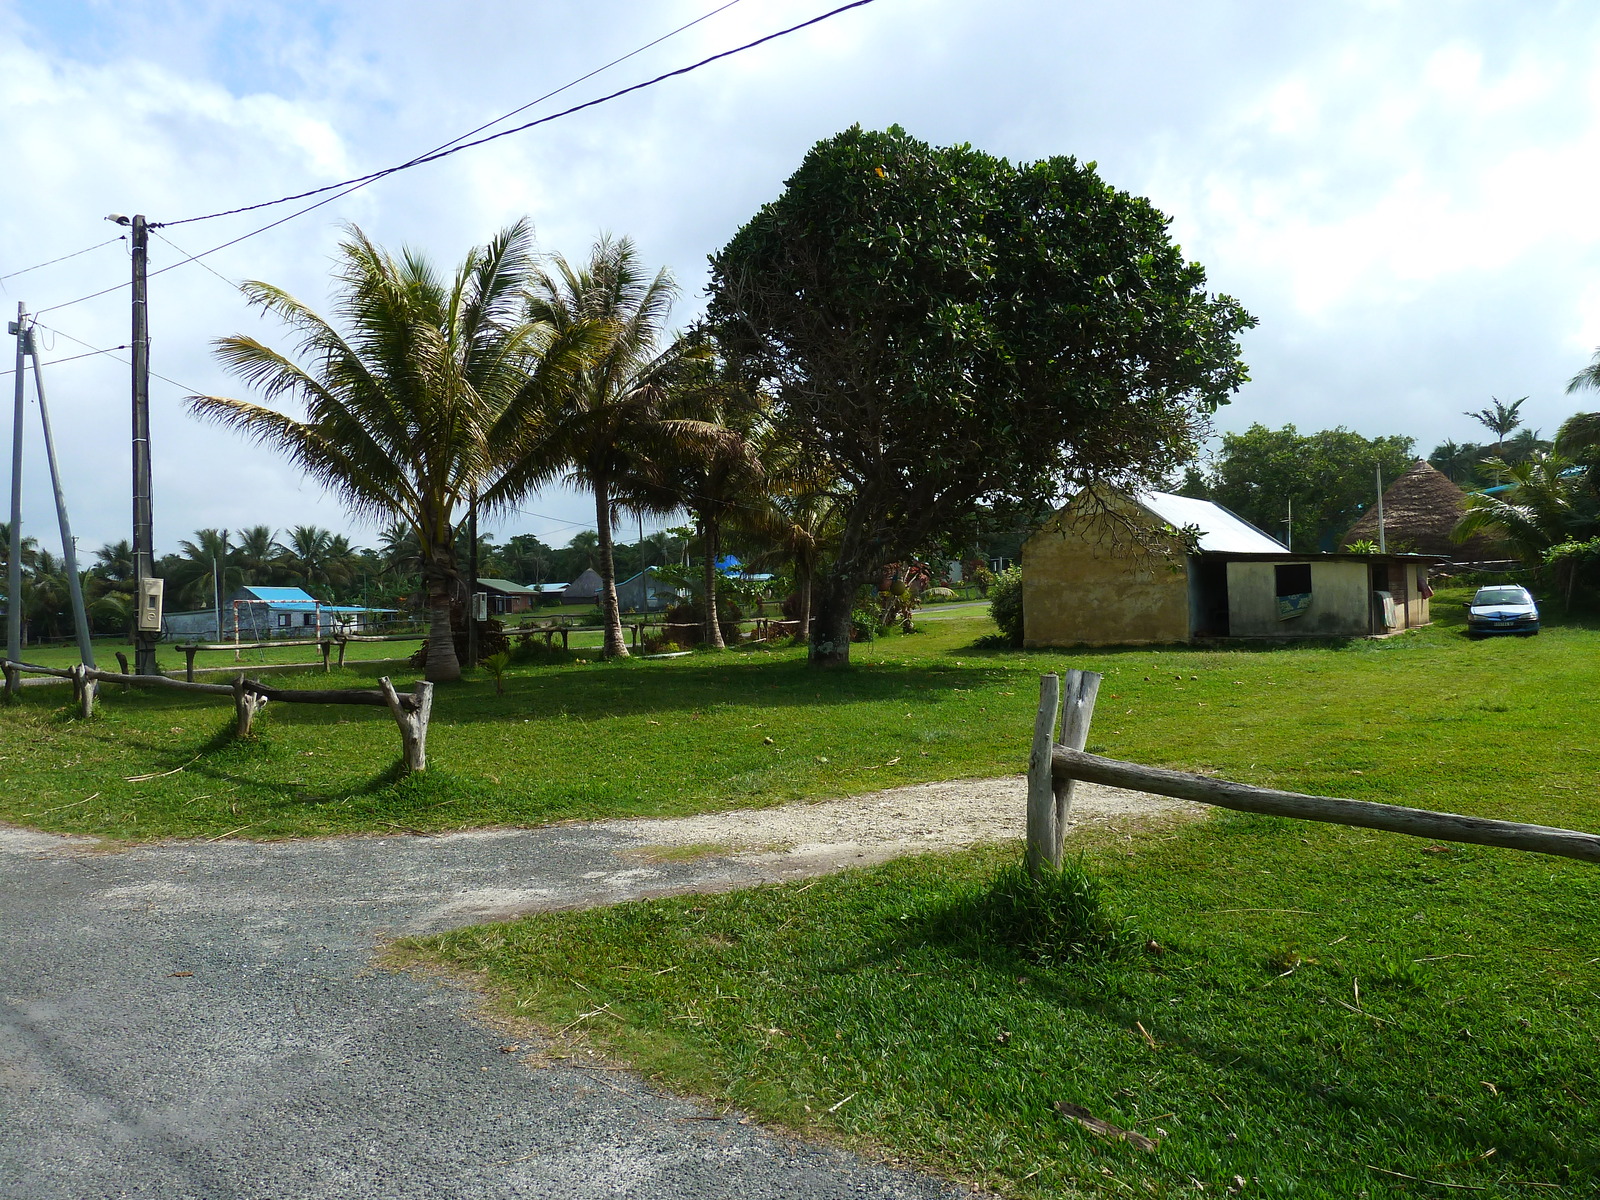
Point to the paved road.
(202, 1022)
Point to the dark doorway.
(1208, 596)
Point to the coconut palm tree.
(1500, 420)
(414, 400)
(615, 413)
(1542, 507)
(259, 557)
(114, 560)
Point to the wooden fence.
(1057, 763)
(409, 709)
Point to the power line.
(433, 157)
(72, 358)
(363, 179)
(97, 350)
(52, 262)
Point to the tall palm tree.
(114, 560)
(614, 412)
(415, 400)
(208, 568)
(713, 474)
(258, 554)
(1589, 377)
(1579, 439)
(798, 519)
(1501, 420)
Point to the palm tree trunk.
(803, 575)
(611, 612)
(443, 666)
(712, 628)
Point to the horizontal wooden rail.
(1366, 814)
(410, 710)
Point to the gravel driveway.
(202, 1022)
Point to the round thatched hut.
(1420, 511)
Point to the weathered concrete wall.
(1339, 601)
(1079, 588)
(1417, 609)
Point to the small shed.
(1114, 569)
(507, 597)
(646, 592)
(255, 612)
(1420, 512)
(585, 587)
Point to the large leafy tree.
(418, 395)
(611, 416)
(1328, 477)
(939, 326)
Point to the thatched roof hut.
(1420, 511)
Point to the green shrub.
(1005, 604)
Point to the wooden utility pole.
(144, 640)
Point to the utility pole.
(144, 640)
(1383, 542)
(472, 570)
(14, 563)
(69, 546)
(1288, 528)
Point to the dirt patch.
(808, 837)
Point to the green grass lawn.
(1332, 1012)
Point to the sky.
(1404, 194)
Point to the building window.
(1294, 589)
(283, 620)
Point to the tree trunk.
(709, 539)
(443, 666)
(803, 576)
(830, 626)
(615, 645)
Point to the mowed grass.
(1501, 727)
(1320, 1011)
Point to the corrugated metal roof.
(1220, 530)
(280, 595)
(505, 585)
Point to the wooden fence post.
(13, 681)
(1042, 844)
(246, 705)
(1077, 711)
(122, 661)
(84, 690)
(411, 714)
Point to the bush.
(1005, 604)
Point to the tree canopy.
(938, 326)
(1328, 476)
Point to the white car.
(1502, 609)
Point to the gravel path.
(202, 1021)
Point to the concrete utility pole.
(69, 546)
(472, 589)
(1383, 542)
(14, 563)
(144, 640)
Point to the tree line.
(908, 336)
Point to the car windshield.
(1502, 595)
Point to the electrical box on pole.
(150, 597)
(480, 606)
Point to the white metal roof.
(1220, 530)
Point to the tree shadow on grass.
(980, 930)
